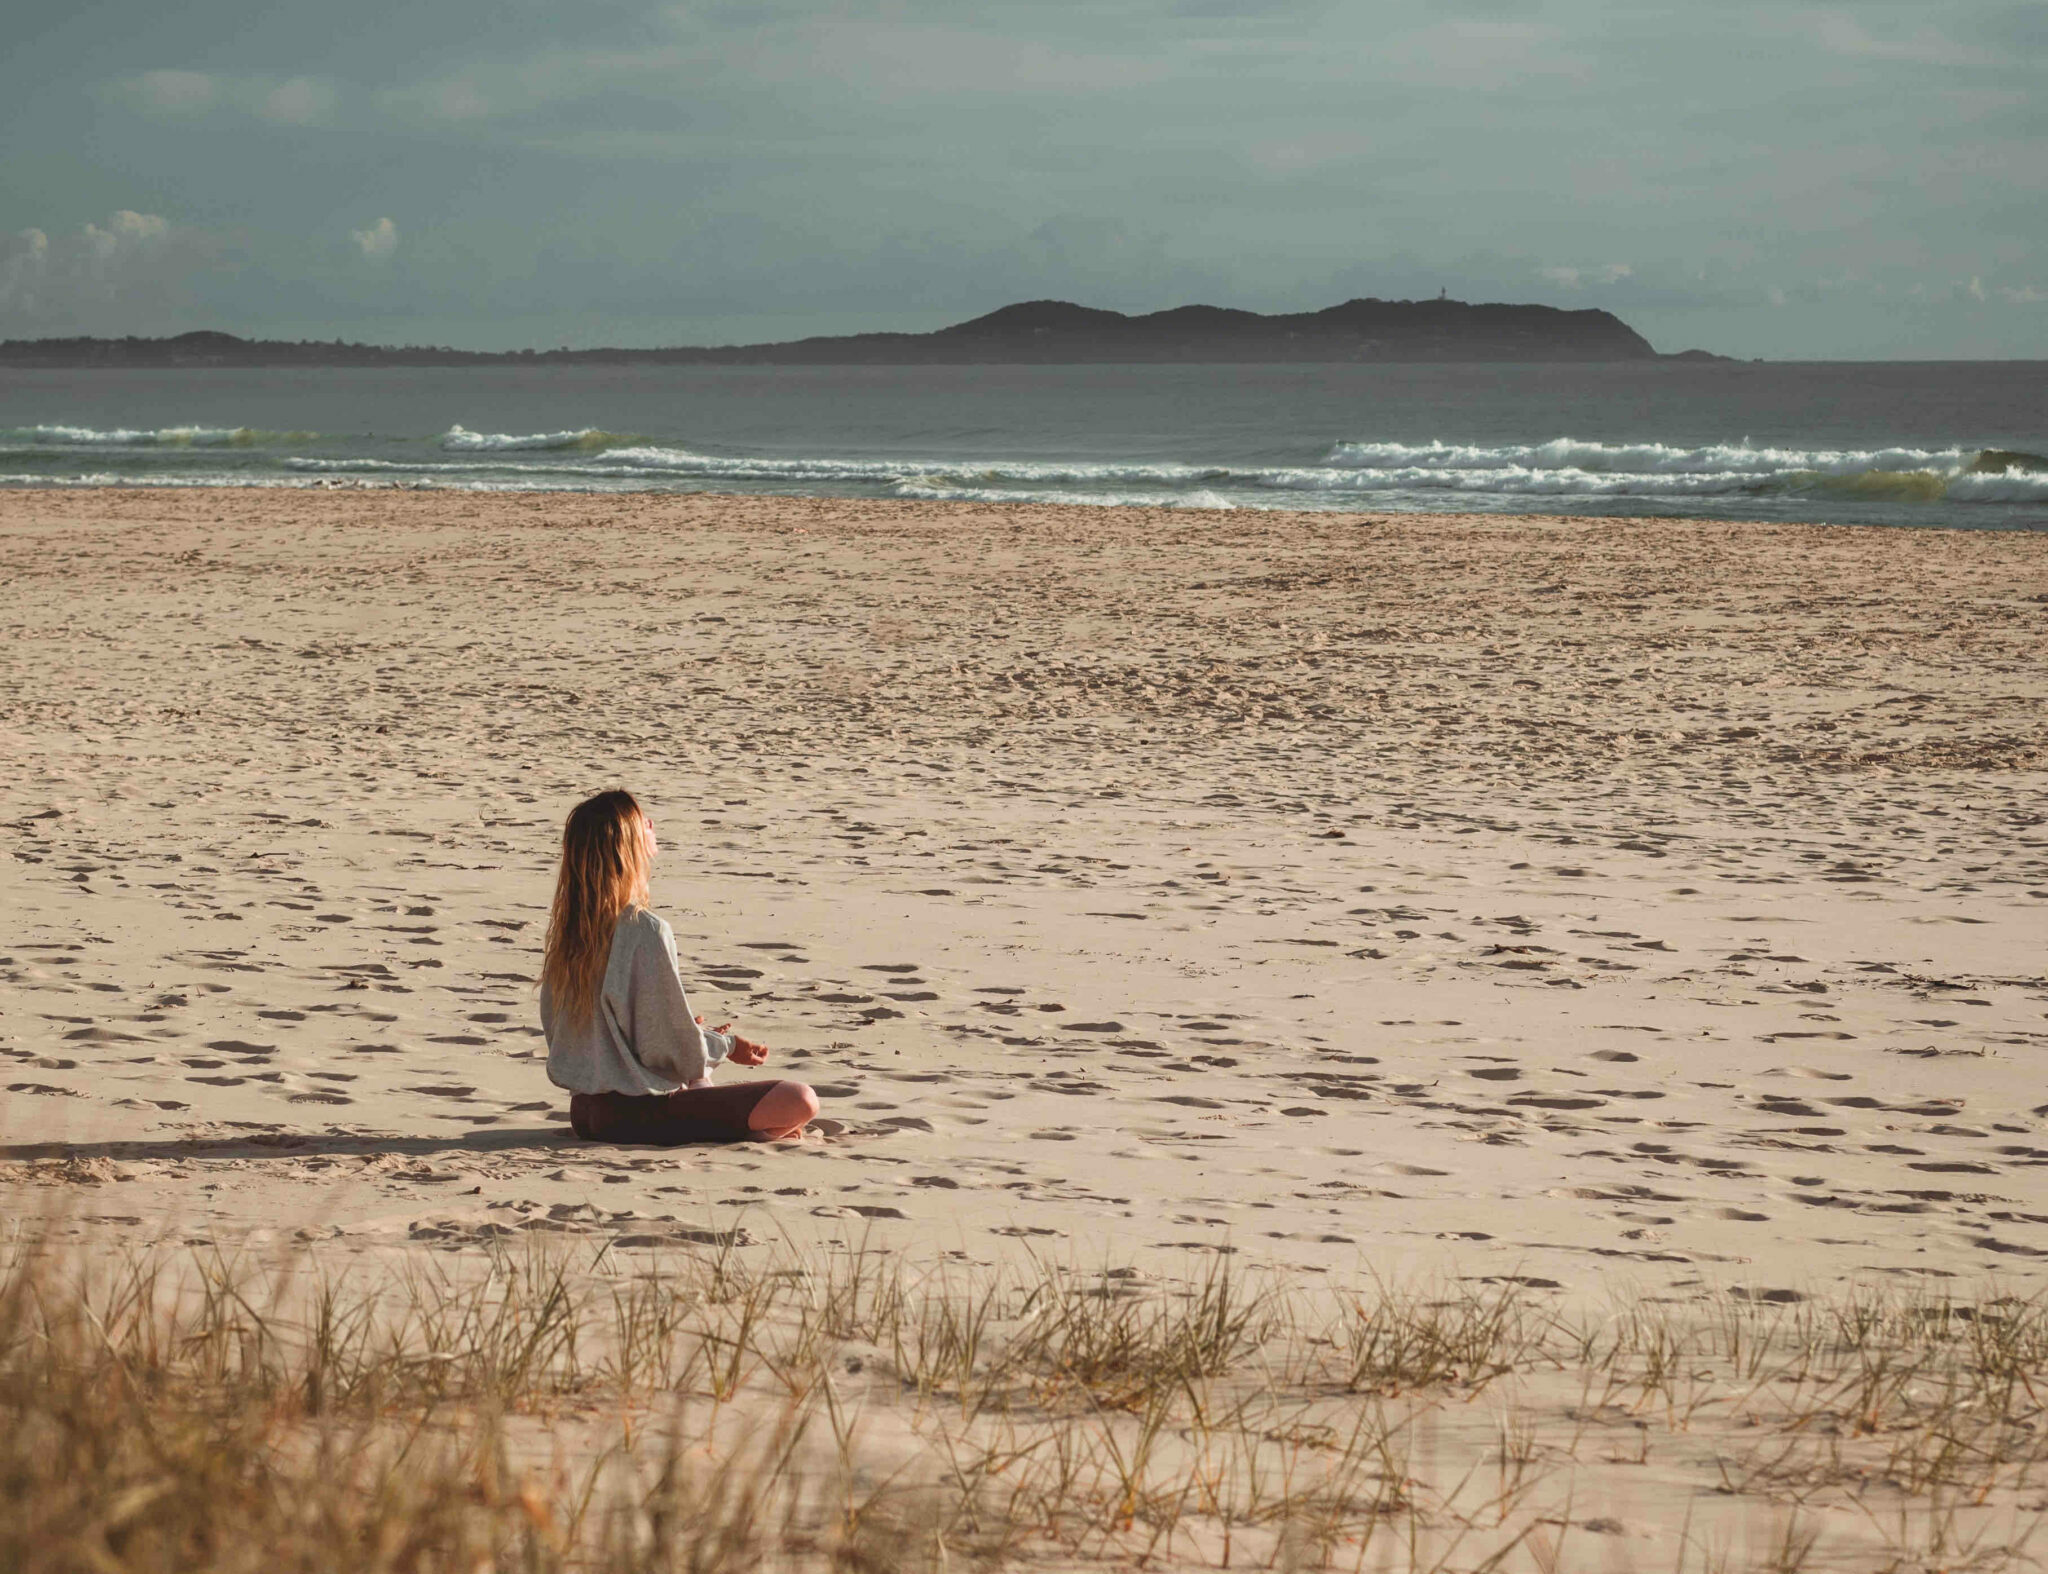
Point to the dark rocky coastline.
(1032, 332)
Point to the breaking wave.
(1570, 454)
(954, 489)
(460, 440)
(150, 437)
(1891, 484)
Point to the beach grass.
(543, 1406)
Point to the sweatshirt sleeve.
(663, 1030)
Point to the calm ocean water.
(1853, 444)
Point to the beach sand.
(1564, 898)
(1620, 907)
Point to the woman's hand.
(745, 1052)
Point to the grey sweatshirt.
(642, 1038)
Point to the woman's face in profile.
(647, 832)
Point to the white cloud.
(27, 257)
(124, 230)
(175, 92)
(377, 242)
(2024, 295)
(295, 101)
(99, 271)
(301, 101)
(1571, 278)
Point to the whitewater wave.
(590, 439)
(1569, 467)
(151, 437)
(1563, 473)
(953, 490)
(1025, 472)
(373, 466)
(1566, 453)
(303, 483)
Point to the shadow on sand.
(299, 1144)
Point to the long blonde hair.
(605, 866)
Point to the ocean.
(1868, 444)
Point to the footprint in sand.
(1556, 1101)
(101, 1035)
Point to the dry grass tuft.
(541, 1410)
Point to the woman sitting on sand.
(620, 1034)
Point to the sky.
(1866, 180)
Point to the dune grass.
(549, 1407)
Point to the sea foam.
(1566, 453)
(589, 439)
(149, 437)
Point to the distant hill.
(1031, 332)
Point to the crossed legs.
(732, 1113)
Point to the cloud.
(1571, 278)
(124, 268)
(2023, 295)
(301, 101)
(26, 258)
(377, 242)
(175, 92)
(291, 101)
(452, 99)
(124, 231)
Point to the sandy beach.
(1608, 907)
